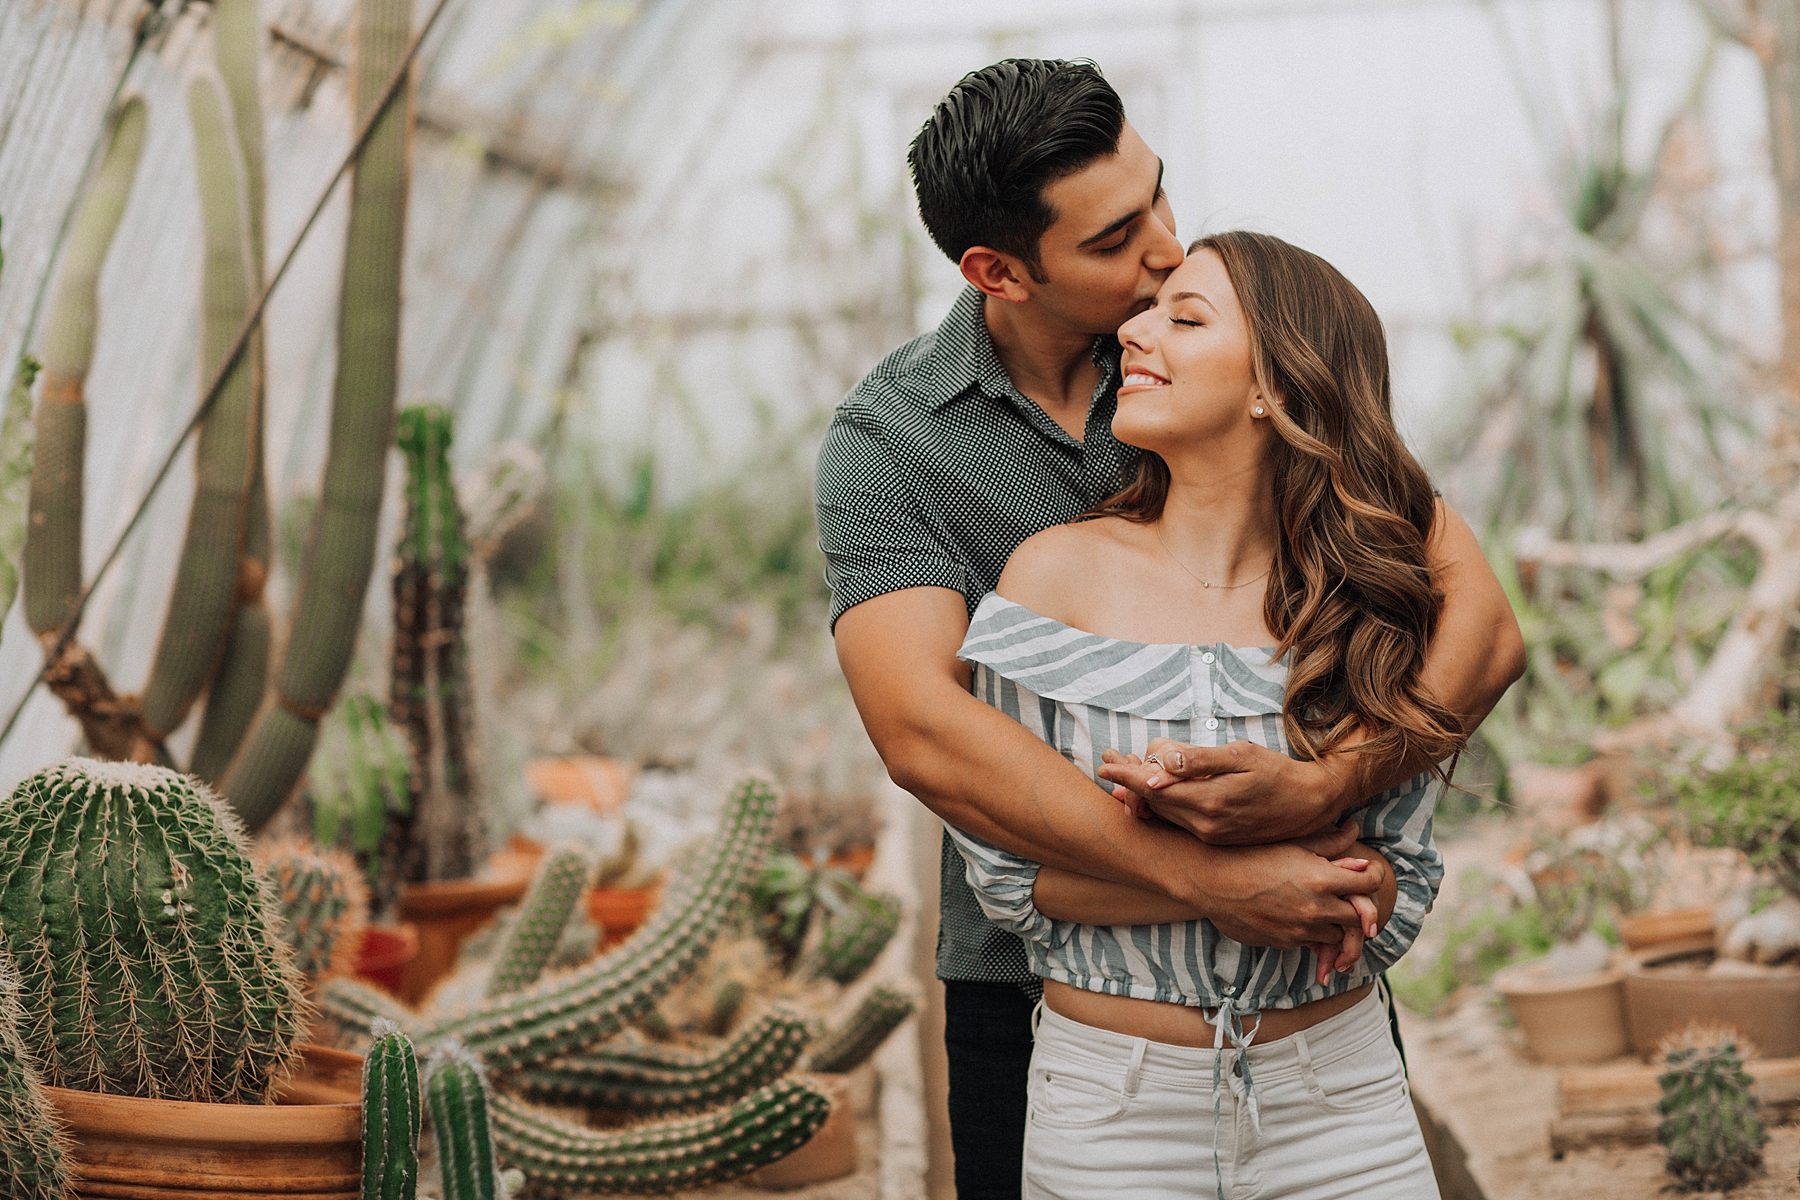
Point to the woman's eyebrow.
(1200, 296)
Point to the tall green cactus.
(341, 551)
(445, 835)
(857, 927)
(141, 932)
(644, 1079)
(237, 686)
(567, 1013)
(349, 1008)
(32, 1146)
(846, 1047)
(206, 575)
(391, 1117)
(559, 1157)
(1710, 1128)
(17, 439)
(456, 1094)
(538, 925)
(324, 905)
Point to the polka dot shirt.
(934, 469)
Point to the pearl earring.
(1257, 410)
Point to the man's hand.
(1287, 897)
(1240, 794)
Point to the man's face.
(1112, 243)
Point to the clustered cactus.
(538, 926)
(1710, 1127)
(324, 905)
(854, 934)
(140, 929)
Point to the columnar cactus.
(32, 1147)
(324, 905)
(644, 1079)
(341, 551)
(1710, 1128)
(856, 930)
(445, 835)
(568, 1013)
(352, 1007)
(456, 1094)
(391, 1116)
(559, 1157)
(847, 1046)
(538, 925)
(141, 932)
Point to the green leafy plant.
(853, 925)
(1750, 803)
(359, 779)
(1475, 946)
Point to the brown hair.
(1351, 596)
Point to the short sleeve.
(875, 535)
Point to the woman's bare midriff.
(1179, 1025)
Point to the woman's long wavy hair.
(1351, 596)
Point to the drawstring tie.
(1228, 1026)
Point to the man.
(965, 442)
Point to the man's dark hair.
(981, 162)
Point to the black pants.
(987, 1038)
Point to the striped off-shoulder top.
(1082, 694)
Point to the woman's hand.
(1233, 795)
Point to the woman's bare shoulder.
(1056, 573)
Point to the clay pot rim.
(1525, 979)
(1642, 964)
(453, 897)
(186, 1122)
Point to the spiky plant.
(538, 926)
(857, 927)
(568, 1013)
(1710, 1127)
(324, 905)
(457, 1097)
(32, 1146)
(558, 1157)
(645, 1079)
(391, 1116)
(148, 962)
(349, 1009)
(847, 1046)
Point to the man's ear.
(996, 274)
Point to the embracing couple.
(1137, 515)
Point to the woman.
(1265, 578)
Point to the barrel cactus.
(538, 926)
(324, 905)
(391, 1116)
(643, 1078)
(32, 1146)
(148, 961)
(565, 1014)
(558, 1157)
(846, 1047)
(1710, 1127)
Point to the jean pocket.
(1065, 1099)
(1367, 1079)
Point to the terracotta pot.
(828, 1154)
(445, 914)
(1654, 928)
(603, 784)
(386, 951)
(125, 1148)
(1580, 1020)
(618, 912)
(1668, 986)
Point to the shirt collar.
(964, 356)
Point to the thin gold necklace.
(1223, 587)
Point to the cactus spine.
(567, 1013)
(206, 577)
(456, 1093)
(32, 1147)
(557, 1156)
(539, 923)
(390, 1117)
(341, 551)
(1710, 1128)
(142, 938)
(846, 1047)
(324, 905)
(445, 835)
(854, 936)
(649, 1079)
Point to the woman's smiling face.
(1187, 373)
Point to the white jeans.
(1119, 1117)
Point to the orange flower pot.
(828, 1154)
(445, 914)
(603, 784)
(618, 913)
(386, 952)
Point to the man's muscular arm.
(1244, 793)
(983, 772)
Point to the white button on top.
(1207, 657)
(1212, 722)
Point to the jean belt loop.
(1135, 1067)
(1037, 1014)
(1303, 1051)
